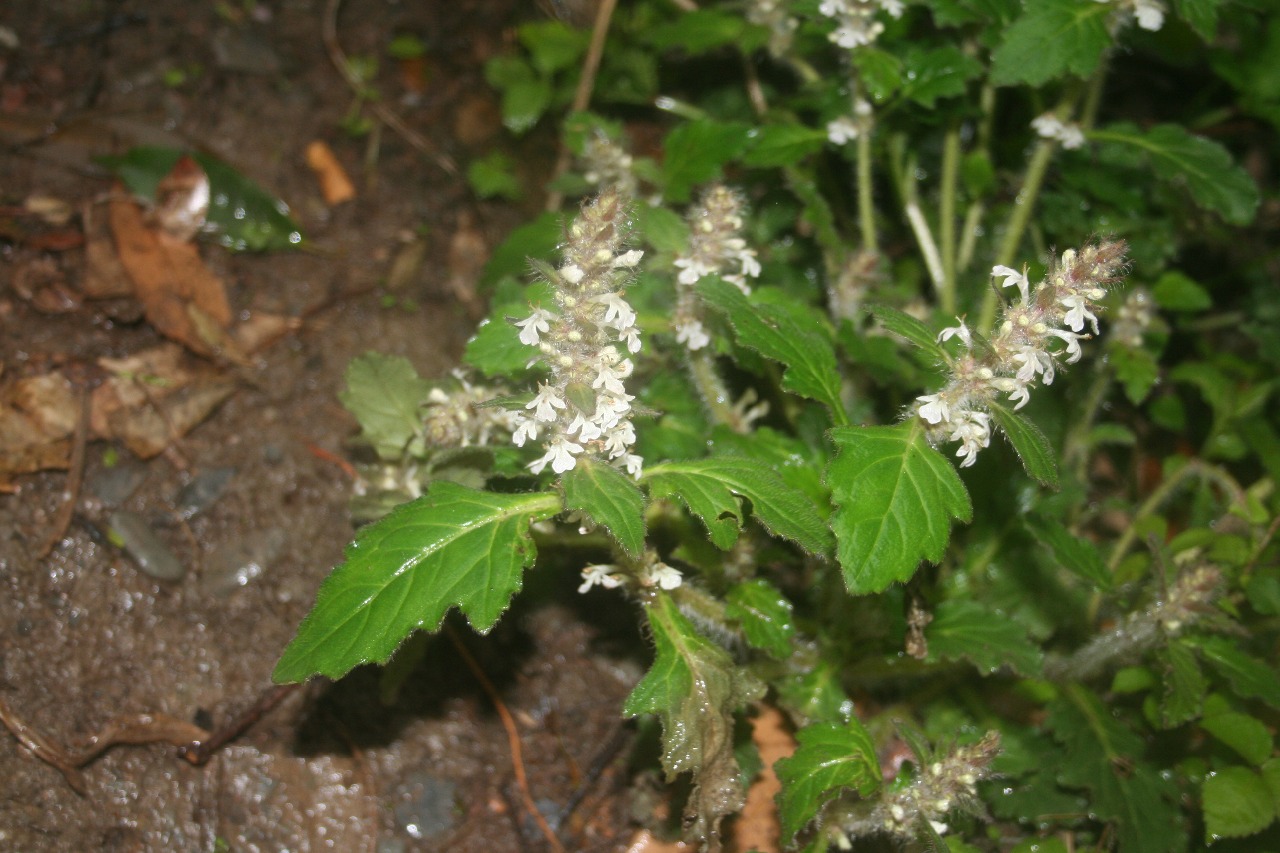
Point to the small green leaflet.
(696, 152)
(830, 757)
(1247, 735)
(1214, 180)
(1053, 38)
(909, 328)
(1236, 803)
(453, 547)
(784, 145)
(708, 488)
(1072, 552)
(895, 497)
(1184, 686)
(1249, 677)
(1031, 445)
(386, 395)
(765, 616)
(609, 498)
(967, 630)
(787, 333)
(694, 687)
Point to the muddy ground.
(252, 502)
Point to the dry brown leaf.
(757, 827)
(260, 330)
(335, 183)
(168, 278)
(104, 276)
(37, 417)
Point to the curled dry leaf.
(37, 417)
(335, 184)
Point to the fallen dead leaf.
(169, 279)
(335, 183)
(104, 276)
(37, 417)
(260, 330)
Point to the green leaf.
(1053, 38)
(895, 497)
(698, 31)
(1072, 552)
(1136, 369)
(1245, 734)
(493, 176)
(765, 616)
(609, 498)
(453, 547)
(830, 758)
(1213, 179)
(663, 229)
(814, 692)
(695, 153)
(694, 687)
(909, 328)
(879, 71)
(1184, 686)
(1031, 445)
(708, 488)
(965, 630)
(1200, 15)
(1176, 292)
(386, 395)
(1249, 677)
(536, 239)
(789, 333)
(553, 46)
(1102, 756)
(1236, 803)
(495, 349)
(939, 73)
(783, 145)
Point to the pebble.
(115, 485)
(203, 491)
(147, 550)
(425, 806)
(235, 564)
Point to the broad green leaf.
(783, 145)
(764, 614)
(879, 71)
(814, 692)
(663, 229)
(386, 395)
(708, 488)
(788, 333)
(1236, 803)
(553, 46)
(817, 209)
(1207, 170)
(694, 687)
(830, 758)
(453, 547)
(536, 239)
(695, 153)
(242, 215)
(1245, 734)
(1072, 552)
(1054, 38)
(1271, 774)
(1031, 445)
(1200, 15)
(1102, 756)
(797, 463)
(1137, 369)
(523, 103)
(966, 630)
(1184, 686)
(909, 328)
(495, 349)
(1176, 292)
(938, 73)
(698, 31)
(1249, 677)
(895, 497)
(493, 176)
(609, 498)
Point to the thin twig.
(75, 478)
(329, 32)
(586, 83)
(513, 738)
(41, 748)
(201, 750)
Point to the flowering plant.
(740, 387)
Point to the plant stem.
(866, 210)
(712, 391)
(947, 218)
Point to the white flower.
(610, 408)
(617, 312)
(973, 431)
(1078, 312)
(633, 464)
(895, 8)
(586, 430)
(572, 273)
(831, 8)
(1047, 125)
(1012, 276)
(545, 403)
(609, 377)
(692, 335)
(531, 326)
(1149, 13)
(750, 266)
(560, 454)
(1072, 137)
(628, 260)
(619, 438)
(842, 130)
(962, 332)
(935, 409)
(599, 575)
(1033, 361)
(661, 575)
(692, 269)
(526, 431)
(1073, 345)
(632, 337)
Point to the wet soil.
(87, 636)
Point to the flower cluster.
(651, 573)
(855, 20)
(607, 164)
(1136, 315)
(773, 15)
(715, 248)
(845, 129)
(456, 419)
(1045, 324)
(1050, 126)
(584, 406)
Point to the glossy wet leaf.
(831, 757)
(895, 498)
(968, 630)
(453, 547)
(608, 498)
(764, 614)
(1236, 803)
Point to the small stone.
(203, 491)
(115, 485)
(425, 806)
(235, 564)
(147, 550)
